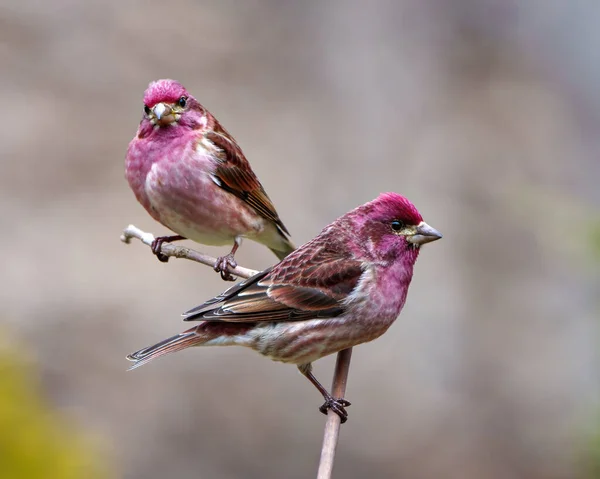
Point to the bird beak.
(424, 234)
(163, 113)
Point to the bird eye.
(182, 102)
(397, 225)
(147, 109)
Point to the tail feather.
(175, 343)
(288, 247)
(206, 333)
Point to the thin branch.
(332, 426)
(342, 364)
(180, 251)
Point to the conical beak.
(424, 234)
(163, 113)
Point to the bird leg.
(228, 261)
(157, 245)
(337, 405)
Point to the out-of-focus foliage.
(35, 442)
(593, 458)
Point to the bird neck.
(393, 280)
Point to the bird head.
(167, 103)
(391, 225)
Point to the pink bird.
(345, 287)
(191, 176)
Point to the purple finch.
(343, 288)
(191, 176)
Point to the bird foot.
(223, 264)
(156, 246)
(337, 405)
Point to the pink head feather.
(164, 91)
(390, 206)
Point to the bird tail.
(206, 333)
(175, 343)
(288, 247)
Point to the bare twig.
(332, 426)
(342, 365)
(180, 251)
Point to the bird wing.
(303, 286)
(234, 174)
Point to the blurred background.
(484, 113)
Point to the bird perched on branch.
(191, 176)
(345, 287)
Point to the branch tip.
(180, 251)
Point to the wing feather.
(310, 283)
(234, 174)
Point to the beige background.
(484, 113)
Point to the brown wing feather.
(310, 283)
(236, 175)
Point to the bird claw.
(222, 266)
(156, 246)
(337, 405)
